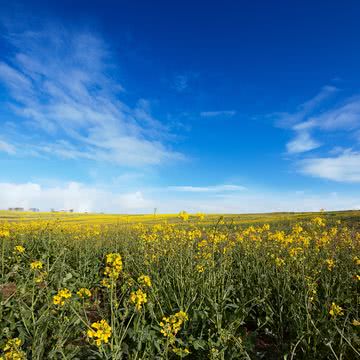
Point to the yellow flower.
(355, 322)
(12, 350)
(84, 293)
(181, 352)
(100, 332)
(200, 268)
(171, 325)
(144, 280)
(5, 233)
(114, 265)
(19, 249)
(319, 221)
(279, 262)
(335, 310)
(183, 215)
(36, 265)
(200, 216)
(105, 283)
(61, 296)
(330, 264)
(138, 298)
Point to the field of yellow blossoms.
(194, 288)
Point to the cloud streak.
(344, 167)
(7, 148)
(227, 113)
(207, 189)
(64, 84)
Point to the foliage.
(194, 288)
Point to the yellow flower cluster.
(18, 249)
(114, 266)
(12, 350)
(279, 262)
(181, 352)
(4, 233)
(330, 264)
(100, 332)
(144, 280)
(319, 221)
(336, 310)
(172, 324)
(84, 293)
(138, 298)
(200, 216)
(36, 265)
(61, 297)
(183, 215)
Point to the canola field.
(273, 286)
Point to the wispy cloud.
(331, 124)
(207, 189)
(181, 82)
(341, 117)
(344, 167)
(301, 122)
(218, 113)
(301, 143)
(64, 84)
(290, 119)
(7, 148)
(72, 195)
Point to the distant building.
(34, 209)
(16, 209)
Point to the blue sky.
(230, 106)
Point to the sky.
(212, 106)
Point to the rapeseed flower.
(12, 350)
(183, 215)
(138, 298)
(330, 264)
(62, 295)
(336, 310)
(100, 332)
(36, 265)
(5, 233)
(172, 324)
(114, 266)
(18, 249)
(279, 262)
(144, 280)
(84, 293)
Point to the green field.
(251, 286)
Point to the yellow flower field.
(197, 286)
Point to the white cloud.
(205, 189)
(80, 197)
(218, 113)
(345, 167)
(301, 143)
(7, 148)
(72, 195)
(63, 84)
(288, 119)
(332, 125)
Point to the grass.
(253, 286)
